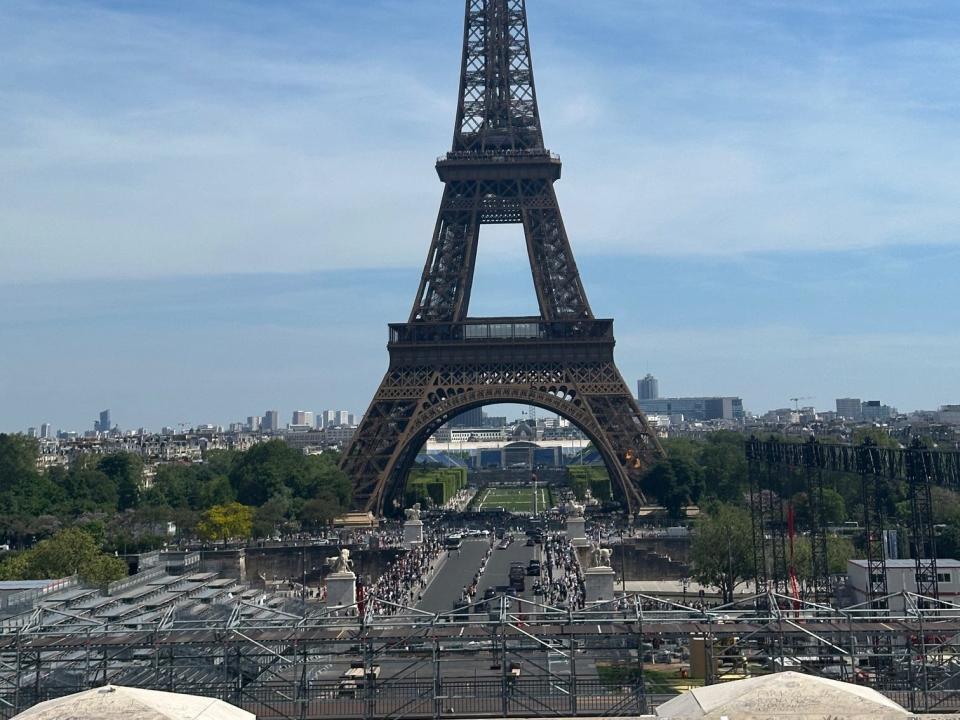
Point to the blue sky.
(209, 209)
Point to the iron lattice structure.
(518, 659)
(918, 467)
(441, 362)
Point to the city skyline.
(778, 215)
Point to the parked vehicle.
(518, 576)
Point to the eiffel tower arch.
(443, 362)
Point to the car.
(531, 542)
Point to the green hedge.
(594, 477)
(439, 485)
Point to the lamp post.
(623, 573)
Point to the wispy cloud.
(231, 136)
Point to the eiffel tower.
(443, 362)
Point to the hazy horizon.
(209, 210)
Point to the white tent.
(782, 695)
(113, 702)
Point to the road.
(457, 571)
(445, 590)
(498, 569)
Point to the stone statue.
(576, 509)
(413, 514)
(341, 563)
(601, 557)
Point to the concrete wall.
(285, 562)
(646, 560)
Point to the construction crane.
(796, 401)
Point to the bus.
(453, 542)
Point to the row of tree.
(69, 552)
(107, 496)
(721, 552)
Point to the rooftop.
(908, 564)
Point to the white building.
(302, 417)
(949, 415)
(850, 408)
(902, 576)
(330, 418)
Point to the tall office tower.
(850, 408)
(352, 420)
(103, 424)
(469, 419)
(648, 388)
(254, 423)
(31, 432)
(342, 418)
(271, 420)
(873, 410)
(46, 431)
(302, 417)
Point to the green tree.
(833, 508)
(272, 468)
(878, 436)
(319, 512)
(839, 551)
(222, 522)
(264, 470)
(676, 482)
(126, 472)
(269, 517)
(724, 466)
(23, 490)
(721, 551)
(661, 481)
(69, 551)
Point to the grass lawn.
(513, 499)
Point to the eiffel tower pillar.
(442, 362)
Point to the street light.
(623, 573)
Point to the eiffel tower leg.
(370, 458)
(633, 445)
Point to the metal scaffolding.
(918, 468)
(519, 659)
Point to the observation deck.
(498, 164)
(529, 339)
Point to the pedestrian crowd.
(403, 582)
(470, 591)
(564, 575)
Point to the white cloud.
(149, 144)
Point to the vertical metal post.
(869, 467)
(813, 477)
(925, 677)
(777, 524)
(757, 519)
(16, 690)
(369, 706)
(437, 681)
(505, 677)
(922, 535)
(641, 686)
(36, 681)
